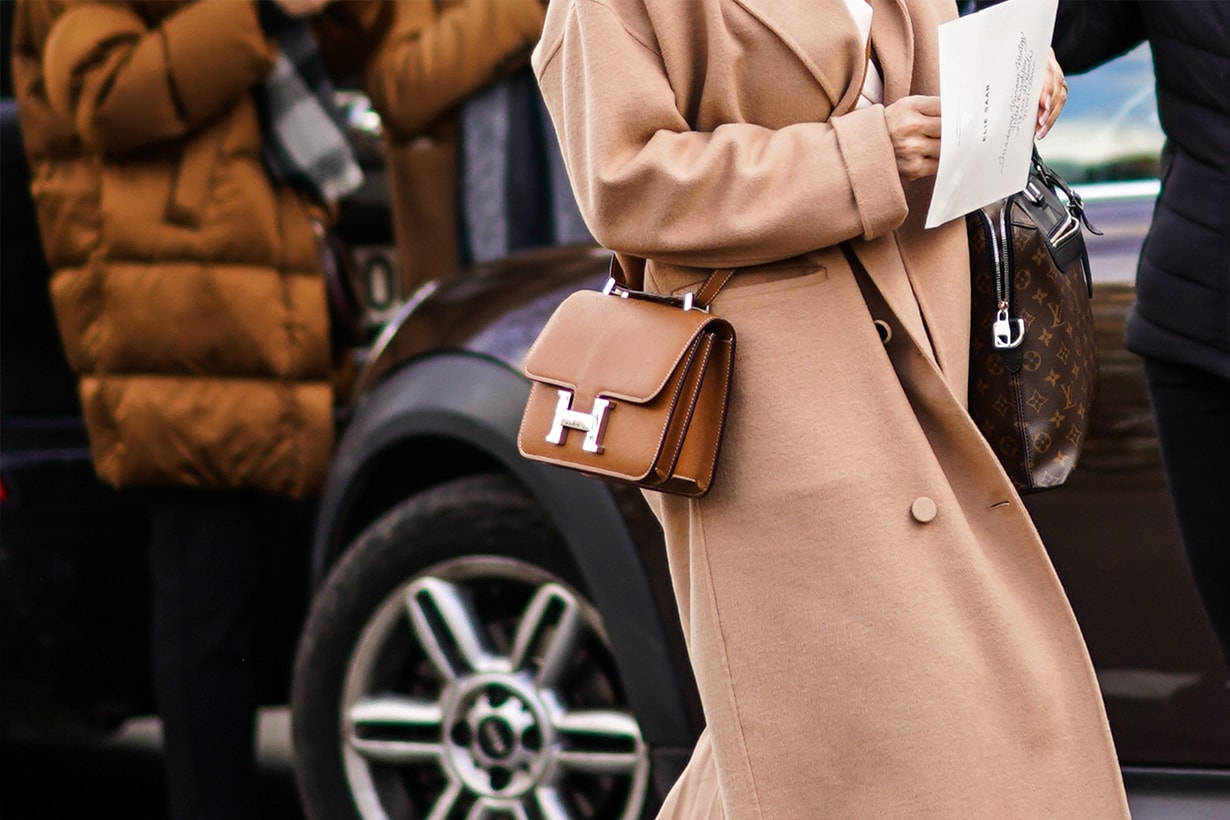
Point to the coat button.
(923, 509)
(885, 330)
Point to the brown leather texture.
(665, 374)
(1034, 402)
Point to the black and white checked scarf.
(305, 138)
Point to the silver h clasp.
(591, 424)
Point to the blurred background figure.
(180, 154)
(1180, 323)
(474, 166)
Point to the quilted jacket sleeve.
(440, 52)
(740, 194)
(126, 85)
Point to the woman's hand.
(914, 127)
(1054, 95)
(302, 8)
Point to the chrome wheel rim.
(485, 688)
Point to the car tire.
(452, 667)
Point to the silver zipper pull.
(1007, 332)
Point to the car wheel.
(452, 668)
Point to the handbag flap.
(624, 348)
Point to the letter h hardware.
(591, 424)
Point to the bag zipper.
(1007, 331)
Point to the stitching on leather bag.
(692, 401)
(692, 350)
(730, 369)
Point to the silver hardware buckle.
(1007, 333)
(592, 424)
(686, 302)
(1068, 228)
(612, 286)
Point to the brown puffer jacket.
(186, 284)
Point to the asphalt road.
(121, 776)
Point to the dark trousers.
(1192, 409)
(209, 559)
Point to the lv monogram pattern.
(1033, 403)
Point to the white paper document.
(992, 66)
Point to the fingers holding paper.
(914, 128)
(1054, 95)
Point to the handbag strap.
(1075, 205)
(700, 298)
(709, 290)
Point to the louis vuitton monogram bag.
(1033, 360)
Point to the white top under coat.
(873, 85)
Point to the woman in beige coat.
(874, 625)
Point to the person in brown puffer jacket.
(189, 298)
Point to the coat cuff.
(871, 165)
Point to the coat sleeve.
(649, 185)
(1091, 32)
(435, 58)
(126, 85)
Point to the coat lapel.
(882, 261)
(892, 39)
(814, 45)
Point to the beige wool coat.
(875, 628)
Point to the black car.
(491, 637)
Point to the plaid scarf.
(305, 139)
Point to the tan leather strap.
(716, 281)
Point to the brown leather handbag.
(1033, 360)
(632, 386)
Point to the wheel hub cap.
(529, 727)
(495, 744)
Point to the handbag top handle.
(700, 299)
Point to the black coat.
(1182, 312)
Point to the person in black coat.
(1180, 323)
